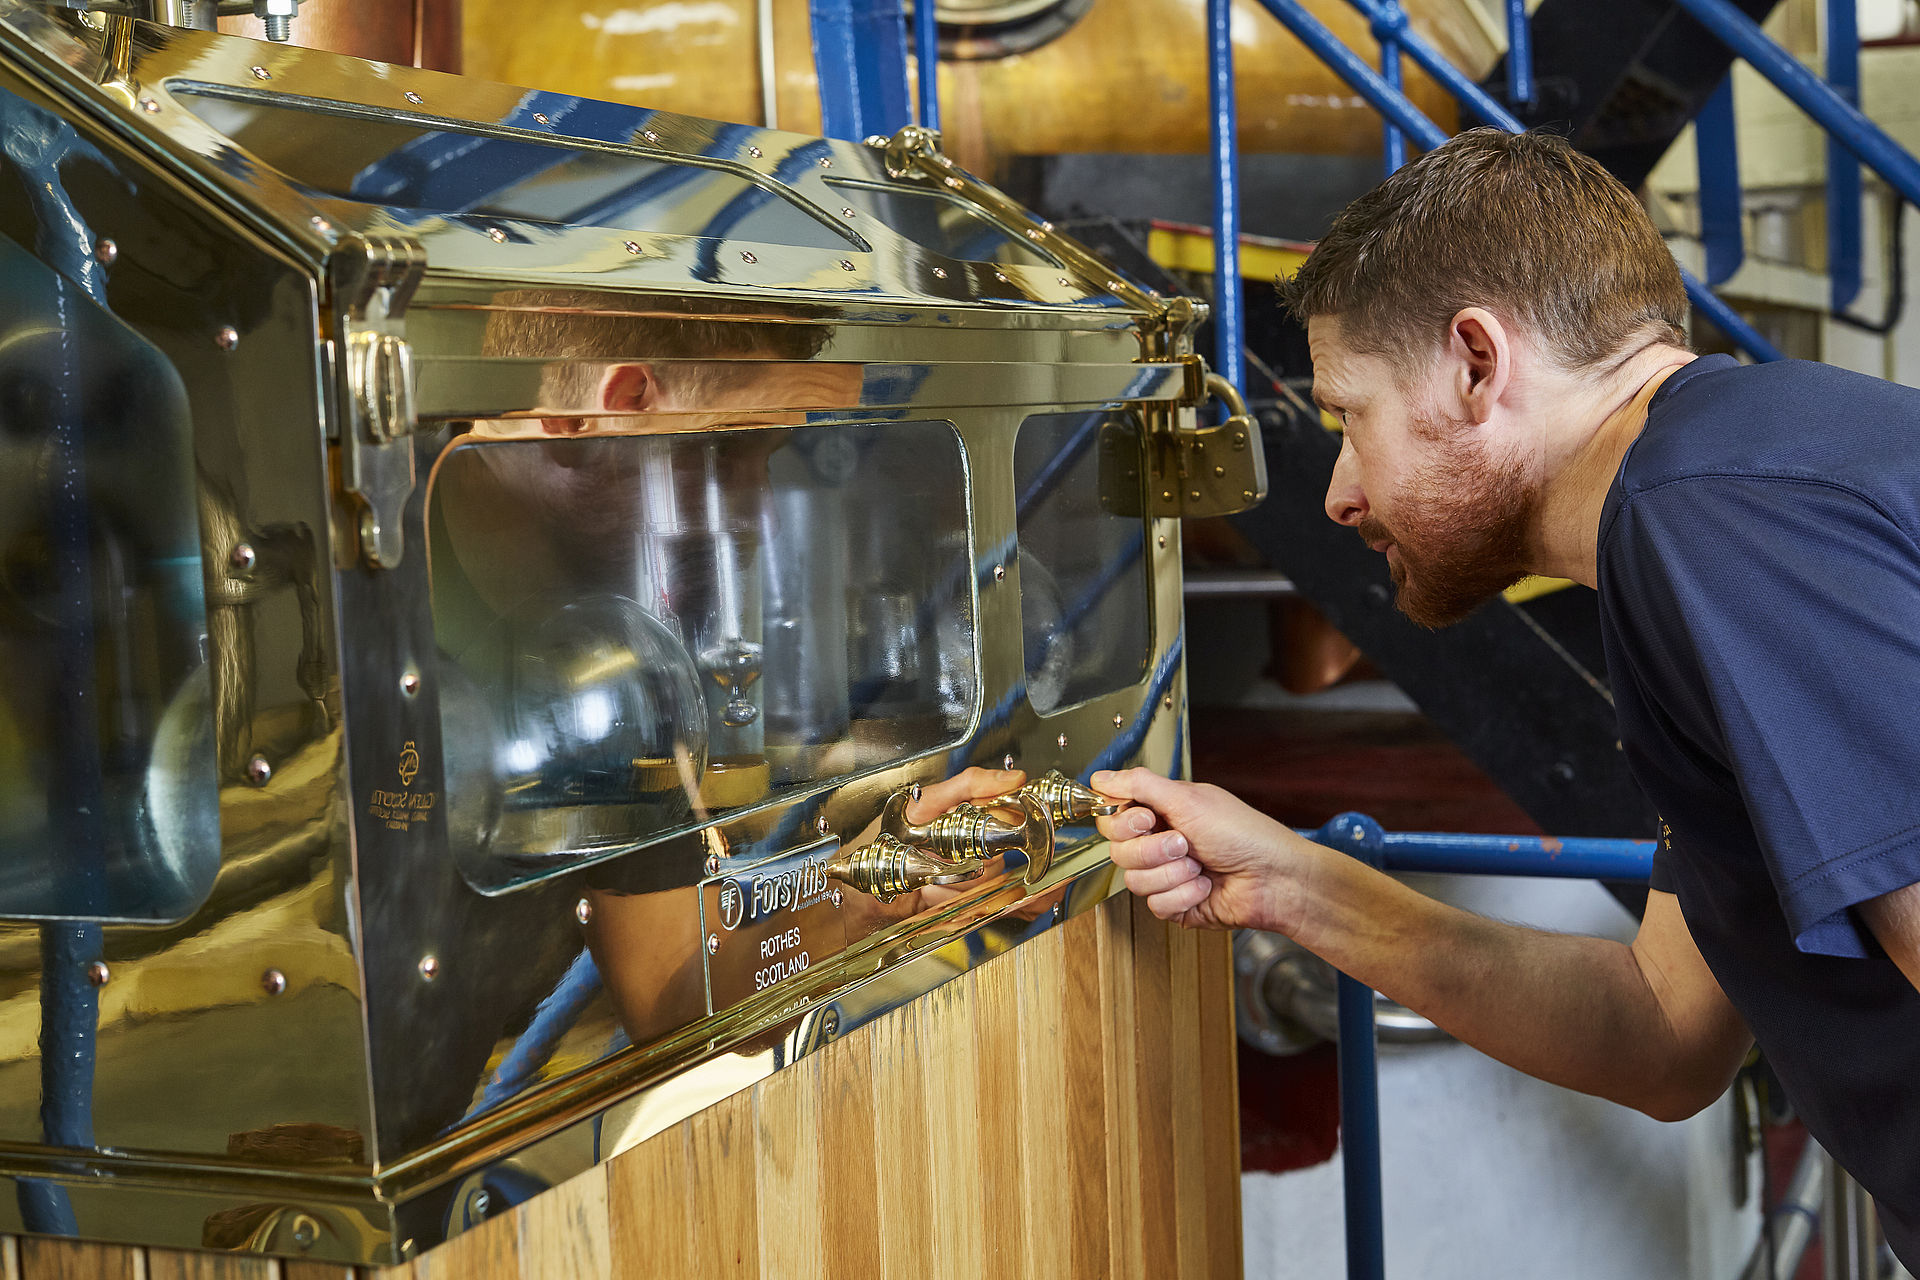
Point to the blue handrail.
(1229, 320)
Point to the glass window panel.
(640, 634)
(1084, 598)
(402, 165)
(109, 800)
(935, 221)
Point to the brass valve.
(1066, 801)
(888, 867)
(953, 847)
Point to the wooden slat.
(1004, 1188)
(1121, 1103)
(1050, 1196)
(649, 1224)
(726, 1223)
(1185, 1103)
(1084, 1093)
(179, 1264)
(849, 1137)
(490, 1251)
(42, 1258)
(786, 1157)
(953, 1128)
(563, 1231)
(901, 1146)
(1152, 1002)
(294, 1269)
(1220, 1106)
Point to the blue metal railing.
(1444, 853)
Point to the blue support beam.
(860, 51)
(926, 57)
(1843, 170)
(1394, 143)
(1389, 21)
(1717, 157)
(1229, 319)
(1811, 94)
(1519, 54)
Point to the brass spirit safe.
(501, 600)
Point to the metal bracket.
(1207, 471)
(371, 280)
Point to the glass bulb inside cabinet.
(1044, 634)
(600, 728)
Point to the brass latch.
(372, 279)
(957, 845)
(1208, 470)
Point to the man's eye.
(1346, 419)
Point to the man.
(1497, 328)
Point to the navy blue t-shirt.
(1759, 565)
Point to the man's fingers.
(1142, 785)
(1127, 823)
(1180, 899)
(1148, 881)
(1148, 851)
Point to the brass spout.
(888, 867)
(1066, 801)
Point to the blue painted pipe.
(1519, 53)
(1811, 94)
(926, 52)
(1843, 171)
(1717, 158)
(860, 52)
(1458, 853)
(1729, 321)
(1229, 320)
(1394, 143)
(1389, 21)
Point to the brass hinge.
(1192, 470)
(371, 279)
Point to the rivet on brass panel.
(429, 967)
(1001, 276)
(713, 944)
(261, 73)
(541, 117)
(97, 973)
(227, 338)
(748, 257)
(847, 212)
(413, 97)
(1167, 702)
(650, 135)
(321, 225)
(712, 865)
(999, 572)
(826, 162)
(1061, 742)
(496, 235)
(1065, 283)
(259, 772)
(242, 557)
(846, 264)
(1163, 541)
(1118, 721)
(410, 682)
(149, 106)
(821, 824)
(940, 272)
(633, 247)
(273, 982)
(1006, 761)
(583, 911)
(754, 152)
(105, 252)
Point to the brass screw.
(713, 865)
(412, 97)
(429, 967)
(261, 73)
(242, 557)
(227, 338)
(410, 683)
(259, 772)
(999, 572)
(540, 117)
(496, 235)
(1163, 541)
(1246, 495)
(940, 272)
(1006, 762)
(1061, 742)
(754, 152)
(821, 824)
(97, 973)
(1194, 494)
(1167, 702)
(583, 911)
(1118, 721)
(105, 252)
(321, 225)
(846, 264)
(847, 212)
(748, 257)
(633, 248)
(826, 162)
(1219, 471)
(713, 944)
(650, 135)
(1065, 283)
(1001, 276)
(273, 982)
(149, 106)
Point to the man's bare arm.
(1645, 1025)
(1894, 919)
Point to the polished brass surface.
(1213, 470)
(340, 358)
(1065, 800)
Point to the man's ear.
(1480, 361)
(629, 388)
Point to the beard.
(1463, 539)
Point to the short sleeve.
(1776, 620)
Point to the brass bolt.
(821, 824)
(429, 967)
(754, 152)
(227, 338)
(713, 944)
(826, 162)
(97, 973)
(412, 97)
(1061, 742)
(846, 264)
(243, 557)
(149, 106)
(496, 235)
(748, 257)
(261, 73)
(1006, 762)
(713, 865)
(410, 682)
(633, 247)
(273, 982)
(650, 135)
(540, 117)
(999, 572)
(259, 772)
(1118, 721)
(583, 911)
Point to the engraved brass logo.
(409, 764)
(733, 905)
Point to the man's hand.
(1201, 857)
(1894, 919)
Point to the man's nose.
(1346, 500)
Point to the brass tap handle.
(887, 868)
(1067, 801)
(969, 835)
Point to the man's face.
(1420, 482)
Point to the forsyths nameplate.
(770, 921)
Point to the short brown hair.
(1518, 223)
